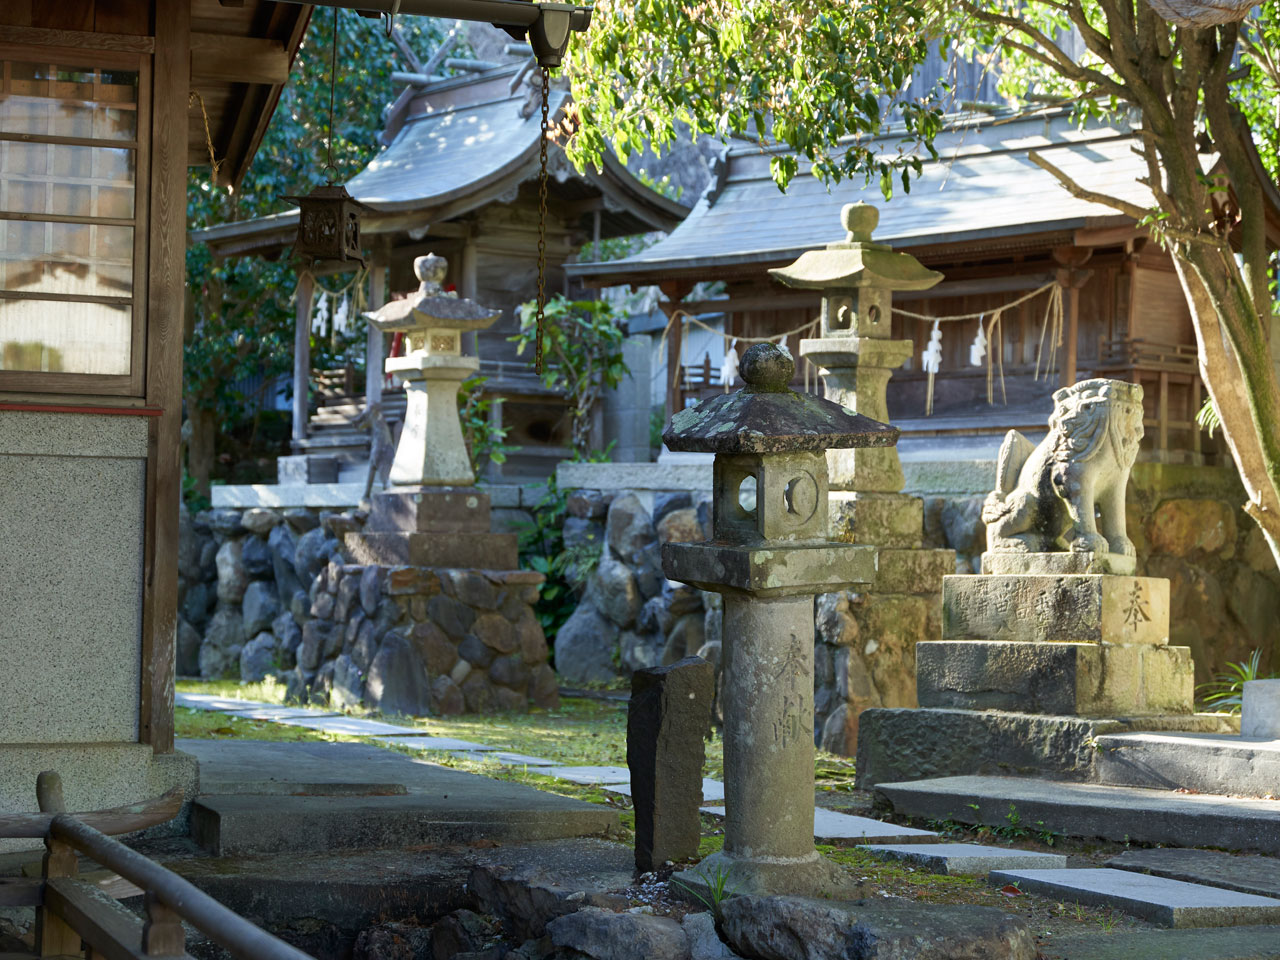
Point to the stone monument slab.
(668, 717)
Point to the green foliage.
(582, 355)
(1225, 692)
(241, 310)
(482, 436)
(809, 75)
(1207, 418)
(717, 889)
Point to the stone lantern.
(856, 352)
(769, 556)
(432, 514)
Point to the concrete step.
(437, 805)
(1198, 762)
(1169, 903)
(1094, 810)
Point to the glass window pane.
(69, 258)
(69, 100)
(61, 179)
(40, 335)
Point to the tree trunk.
(1240, 383)
(202, 448)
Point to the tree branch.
(1080, 193)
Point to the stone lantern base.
(813, 876)
(432, 527)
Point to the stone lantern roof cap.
(857, 261)
(766, 416)
(432, 307)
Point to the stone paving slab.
(958, 859)
(279, 713)
(829, 825)
(1231, 943)
(504, 758)
(1248, 874)
(712, 790)
(1170, 903)
(591, 776)
(351, 726)
(432, 743)
(207, 701)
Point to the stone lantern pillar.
(856, 356)
(432, 514)
(769, 556)
(856, 352)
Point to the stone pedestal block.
(667, 719)
(1074, 608)
(913, 571)
(487, 551)
(1066, 679)
(1260, 714)
(429, 509)
(1003, 563)
(883, 519)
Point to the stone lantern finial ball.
(767, 368)
(861, 220)
(431, 269)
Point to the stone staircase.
(1117, 813)
(337, 451)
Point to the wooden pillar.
(1162, 418)
(1071, 278)
(675, 291)
(302, 353)
(165, 303)
(467, 288)
(375, 352)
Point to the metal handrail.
(222, 925)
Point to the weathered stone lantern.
(856, 352)
(432, 514)
(769, 556)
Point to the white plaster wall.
(72, 491)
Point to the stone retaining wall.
(424, 641)
(630, 616)
(405, 640)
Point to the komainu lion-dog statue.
(1046, 496)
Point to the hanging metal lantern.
(1202, 13)
(329, 225)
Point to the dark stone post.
(667, 722)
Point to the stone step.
(1094, 810)
(236, 825)
(966, 859)
(1203, 763)
(1170, 903)
(1232, 943)
(1247, 874)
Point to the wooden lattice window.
(73, 135)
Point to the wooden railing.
(1158, 367)
(76, 917)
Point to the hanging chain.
(329, 168)
(542, 218)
